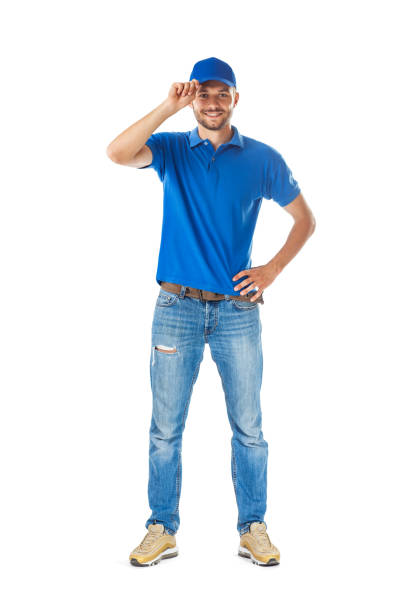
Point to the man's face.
(214, 104)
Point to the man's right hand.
(129, 148)
(181, 94)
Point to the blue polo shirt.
(211, 204)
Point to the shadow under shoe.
(155, 546)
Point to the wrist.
(167, 108)
(275, 266)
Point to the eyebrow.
(220, 89)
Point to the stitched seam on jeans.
(178, 480)
(216, 316)
(234, 471)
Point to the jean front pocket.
(244, 305)
(165, 298)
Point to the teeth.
(212, 114)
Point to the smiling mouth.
(213, 114)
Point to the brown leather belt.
(203, 294)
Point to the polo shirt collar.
(236, 139)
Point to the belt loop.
(201, 295)
(182, 291)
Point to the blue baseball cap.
(213, 69)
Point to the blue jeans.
(181, 327)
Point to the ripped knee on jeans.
(165, 349)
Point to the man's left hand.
(259, 278)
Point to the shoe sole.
(166, 554)
(245, 552)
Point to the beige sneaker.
(256, 545)
(155, 546)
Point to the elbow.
(311, 222)
(112, 155)
(312, 225)
(307, 223)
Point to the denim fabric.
(232, 328)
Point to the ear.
(236, 99)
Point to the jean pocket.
(244, 305)
(165, 298)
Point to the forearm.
(302, 230)
(125, 146)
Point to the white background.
(323, 83)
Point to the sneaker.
(256, 545)
(155, 546)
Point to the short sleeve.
(279, 182)
(156, 145)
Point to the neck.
(216, 137)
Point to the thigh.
(236, 342)
(176, 324)
(236, 348)
(176, 353)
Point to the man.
(214, 180)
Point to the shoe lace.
(262, 537)
(148, 540)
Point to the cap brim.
(216, 78)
